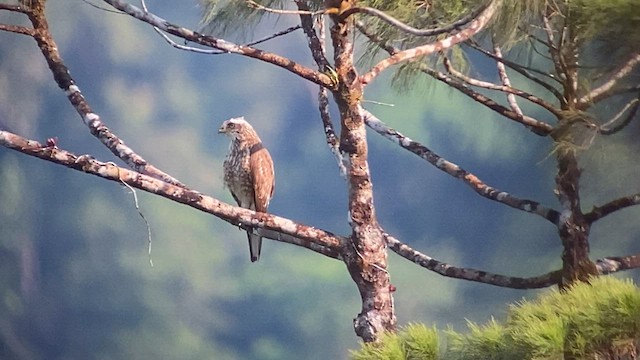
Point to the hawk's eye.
(231, 125)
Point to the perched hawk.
(248, 173)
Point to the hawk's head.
(237, 129)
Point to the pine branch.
(316, 45)
(221, 44)
(537, 127)
(456, 25)
(17, 29)
(506, 89)
(468, 274)
(62, 77)
(459, 173)
(605, 90)
(522, 70)
(504, 78)
(272, 226)
(608, 128)
(598, 212)
(474, 27)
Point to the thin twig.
(474, 27)
(536, 126)
(504, 88)
(608, 129)
(17, 29)
(456, 25)
(146, 223)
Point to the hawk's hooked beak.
(222, 129)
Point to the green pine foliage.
(416, 341)
(585, 320)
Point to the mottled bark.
(573, 227)
(276, 228)
(366, 259)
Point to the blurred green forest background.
(75, 279)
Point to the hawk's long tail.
(255, 245)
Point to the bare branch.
(210, 41)
(409, 29)
(608, 129)
(522, 70)
(474, 27)
(504, 77)
(255, 5)
(598, 212)
(604, 90)
(15, 8)
(604, 266)
(613, 264)
(17, 29)
(536, 126)
(316, 45)
(61, 75)
(480, 276)
(277, 228)
(504, 88)
(459, 173)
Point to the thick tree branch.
(598, 212)
(474, 27)
(276, 228)
(459, 173)
(604, 90)
(210, 41)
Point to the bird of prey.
(248, 173)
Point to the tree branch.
(316, 45)
(522, 70)
(456, 25)
(17, 29)
(62, 77)
(598, 212)
(480, 276)
(210, 41)
(276, 228)
(607, 129)
(537, 127)
(504, 78)
(607, 265)
(504, 88)
(604, 90)
(474, 27)
(459, 173)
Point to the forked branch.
(474, 27)
(277, 228)
(221, 44)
